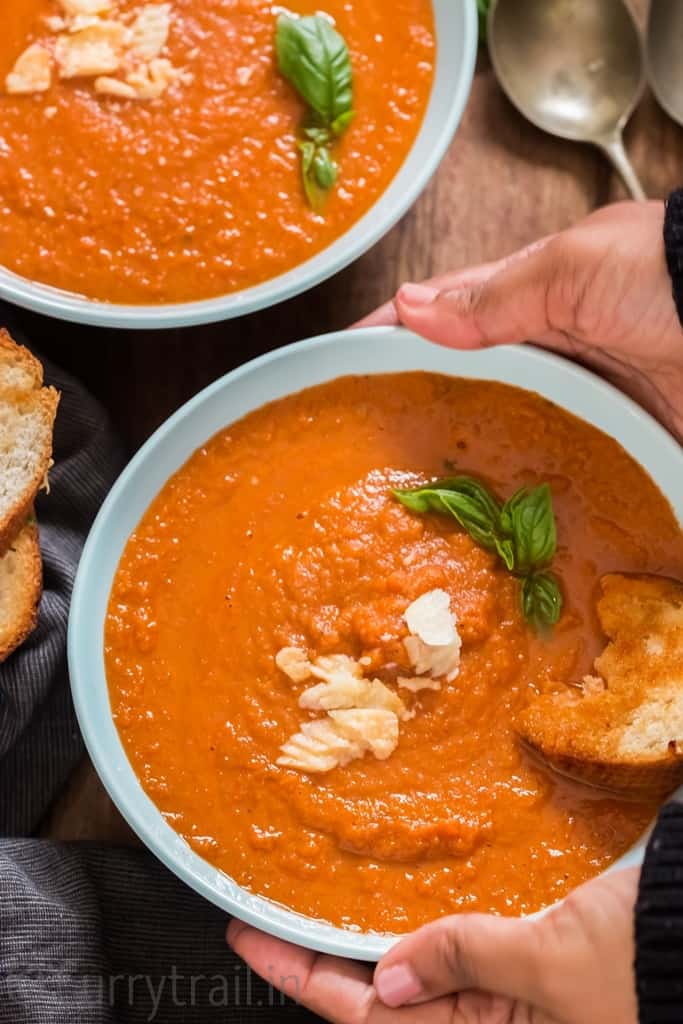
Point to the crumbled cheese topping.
(434, 644)
(320, 746)
(342, 686)
(363, 715)
(430, 618)
(96, 50)
(32, 71)
(417, 683)
(80, 22)
(106, 86)
(343, 736)
(294, 663)
(75, 8)
(343, 692)
(55, 23)
(150, 80)
(149, 31)
(352, 693)
(332, 667)
(373, 729)
(95, 40)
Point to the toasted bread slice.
(623, 730)
(20, 589)
(27, 414)
(19, 369)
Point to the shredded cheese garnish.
(434, 644)
(32, 71)
(363, 715)
(120, 52)
(96, 50)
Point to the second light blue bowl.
(457, 36)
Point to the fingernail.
(417, 294)
(398, 984)
(234, 930)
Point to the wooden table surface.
(502, 184)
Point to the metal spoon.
(574, 68)
(664, 65)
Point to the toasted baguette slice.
(622, 731)
(27, 414)
(19, 369)
(20, 589)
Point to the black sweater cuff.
(659, 923)
(673, 244)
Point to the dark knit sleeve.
(659, 923)
(673, 244)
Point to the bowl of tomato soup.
(262, 518)
(185, 185)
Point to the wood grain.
(502, 184)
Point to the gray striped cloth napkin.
(92, 933)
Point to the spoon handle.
(613, 146)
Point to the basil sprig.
(522, 532)
(315, 59)
(470, 503)
(541, 599)
(528, 519)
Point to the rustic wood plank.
(502, 184)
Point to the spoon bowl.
(574, 68)
(665, 68)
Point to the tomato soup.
(282, 530)
(199, 192)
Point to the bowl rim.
(389, 350)
(428, 149)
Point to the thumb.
(509, 306)
(470, 951)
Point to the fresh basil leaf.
(314, 57)
(473, 517)
(474, 489)
(529, 518)
(341, 123)
(541, 599)
(463, 509)
(522, 533)
(307, 156)
(421, 500)
(315, 195)
(506, 551)
(317, 134)
(467, 500)
(324, 169)
(319, 173)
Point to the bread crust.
(624, 738)
(30, 409)
(21, 580)
(36, 399)
(19, 356)
(636, 780)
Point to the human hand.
(598, 292)
(572, 966)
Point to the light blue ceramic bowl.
(287, 370)
(457, 34)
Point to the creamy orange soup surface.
(282, 530)
(199, 192)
